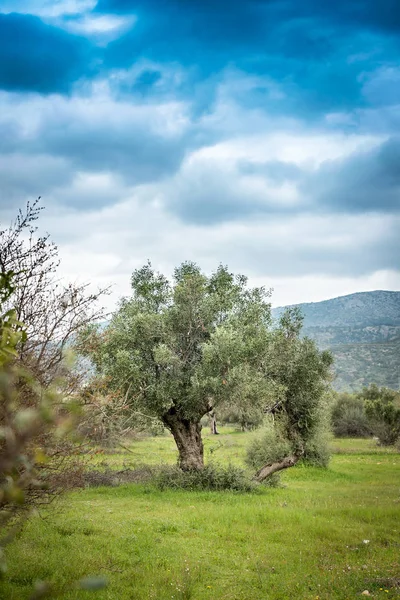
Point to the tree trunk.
(187, 436)
(213, 423)
(268, 470)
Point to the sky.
(261, 134)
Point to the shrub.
(269, 447)
(212, 478)
(112, 478)
(382, 407)
(317, 452)
(349, 418)
(385, 421)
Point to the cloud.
(47, 8)
(385, 16)
(264, 134)
(105, 245)
(319, 53)
(26, 177)
(365, 182)
(139, 142)
(263, 174)
(38, 57)
(100, 28)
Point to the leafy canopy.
(201, 342)
(193, 344)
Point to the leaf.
(40, 457)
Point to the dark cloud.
(133, 152)
(26, 177)
(364, 182)
(37, 57)
(309, 47)
(306, 46)
(383, 15)
(361, 183)
(138, 142)
(375, 15)
(209, 195)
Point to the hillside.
(363, 332)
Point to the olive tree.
(299, 415)
(179, 350)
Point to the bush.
(382, 407)
(349, 418)
(317, 452)
(212, 478)
(385, 421)
(35, 456)
(269, 447)
(112, 478)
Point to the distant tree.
(374, 392)
(180, 351)
(382, 407)
(349, 418)
(246, 417)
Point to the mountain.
(363, 332)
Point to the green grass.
(303, 540)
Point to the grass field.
(325, 534)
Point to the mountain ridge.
(388, 300)
(362, 330)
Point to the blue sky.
(263, 134)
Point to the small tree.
(39, 319)
(180, 351)
(349, 418)
(302, 372)
(382, 407)
(52, 312)
(29, 470)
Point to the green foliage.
(303, 373)
(177, 351)
(246, 417)
(349, 418)
(316, 451)
(35, 465)
(382, 407)
(272, 445)
(11, 330)
(148, 543)
(17, 426)
(383, 394)
(37, 461)
(269, 446)
(184, 344)
(372, 411)
(212, 478)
